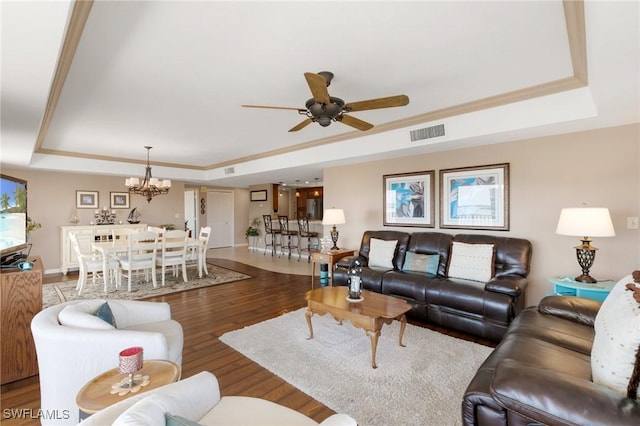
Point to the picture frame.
(409, 200)
(475, 197)
(87, 199)
(259, 195)
(119, 200)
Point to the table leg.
(308, 315)
(373, 335)
(313, 272)
(403, 325)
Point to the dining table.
(114, 248)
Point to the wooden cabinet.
(86, 235)
(20, 300)
(302, 197)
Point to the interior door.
(191, 211)
(220, 218)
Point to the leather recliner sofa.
(541, 373)
(483, 309)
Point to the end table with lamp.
(567, 286)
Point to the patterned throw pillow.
(471, 261)
(617, 338)
(426, 263)
(381, 252)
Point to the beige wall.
(600, 168)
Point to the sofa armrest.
(339, 420)
(551, 397)
(512, 285)
(576, 309)
(345, 262)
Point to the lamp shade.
(585, 222)
(333, 217)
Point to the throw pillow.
(471, 261)
(81, 315)
(381, 252)
(426, 263)
(617, 338)
(172, 420)
(148, 411)
(105, 314)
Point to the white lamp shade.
(585, 222)
(133, 181)
(166, 183)
(333, 217)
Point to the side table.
(328, 256)
(96, 394)
(566, 286)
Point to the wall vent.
(427, 133)
(229, 170)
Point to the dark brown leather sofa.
(540, 373)
(481, 309)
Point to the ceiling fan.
(324, 109)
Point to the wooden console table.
(20, 301)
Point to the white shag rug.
(420, 384)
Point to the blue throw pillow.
(425, 263)
(105, 314)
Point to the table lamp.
(333, 217)
(580, 222)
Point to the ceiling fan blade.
(354, 122)
(318, 86)
(301, 125)
(272, 107)
(391, 101)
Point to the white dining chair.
(141, 256)
(121, 233)
(173, 253)
(197, 254)
(90, 264)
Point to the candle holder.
(105, 216)
(130, 363)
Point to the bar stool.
(270, 231)
(286, 232)
(303, 231)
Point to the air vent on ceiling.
(229, 171)
(427, 133)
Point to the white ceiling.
(174, 74)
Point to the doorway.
(220, 218)
(191, 212)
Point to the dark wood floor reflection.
(206, 314)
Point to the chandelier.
(150, 186)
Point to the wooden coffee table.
(370, 314)
(96, 394)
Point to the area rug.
(141, 289)
(420, 384)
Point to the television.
(13, 219)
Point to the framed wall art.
(87, 199)
(119, 200)
(475, 197)
(259, 195)
(408, 199)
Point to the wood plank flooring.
(206, 314)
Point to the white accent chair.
(89, 264)
(197, 398)
(73, 346)
(141, 256)
(173, 253)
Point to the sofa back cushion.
(512, 255)
(402, 239)
(432, 243)
(382, 253)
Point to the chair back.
(303, 225)
(143, 247)
(283, 221)
(174, 244)
(268, 224)
(121, 233)
(204, 235)
(157, 230)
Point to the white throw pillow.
(381, 252)
(471, 261)
(148, 411)
(82, 315)
(617, 328)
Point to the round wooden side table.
(96, 394)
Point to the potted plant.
(32, 225)
(252, 233)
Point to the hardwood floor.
(206, 314)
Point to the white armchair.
(73, 346)
(197, 398)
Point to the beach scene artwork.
(13, 213)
